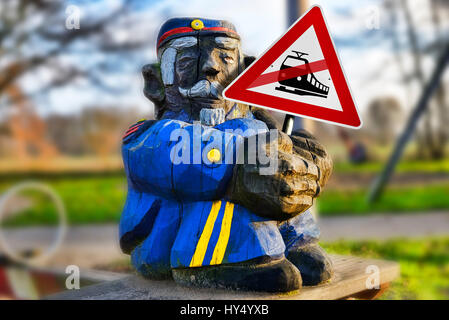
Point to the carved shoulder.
(137, 129)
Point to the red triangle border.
(237, 91)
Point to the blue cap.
(181, 27)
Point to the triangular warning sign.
(300, 74)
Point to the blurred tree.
(103, 127)
(438, 46)
(433, 136)
(28, 130)
(97, 130)
(37, 42)
(66, 133)
(33, 34)
(384, 119)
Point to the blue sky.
(260, 22)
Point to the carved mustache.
(203, 89)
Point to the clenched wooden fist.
(303, 168)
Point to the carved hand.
(303, 168)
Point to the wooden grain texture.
(276, 177)
(349, 281)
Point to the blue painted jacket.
(176, 213)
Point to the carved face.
(193, 73)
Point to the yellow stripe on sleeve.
(223, 238)
(201, 247)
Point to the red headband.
(188, 29)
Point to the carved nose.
(211, 72)
(210, 68)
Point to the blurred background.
(70, 85)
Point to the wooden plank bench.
(349, 281)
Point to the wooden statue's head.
(197, 59)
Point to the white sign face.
(308, 47)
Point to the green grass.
(424, 264)
(394, 199)
(402, 167)
(100, 199)
(87, 200)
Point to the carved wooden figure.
(195, 213)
